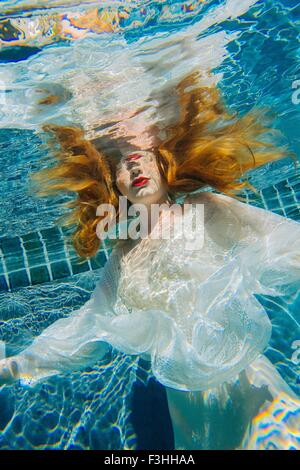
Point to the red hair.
(208, 147)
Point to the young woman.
(187, 306)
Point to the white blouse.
(188, 306)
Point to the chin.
(147, 196)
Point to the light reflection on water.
(276, 427)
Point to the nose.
(135, 171)
(134, 168)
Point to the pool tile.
(279, 211)
(287, 200)
(293, 213)
(2, 269)
(18, 279)
(50, 234)
(60, 269)
(269, 192)
(3, 284)
(273, 202)
(31, 237)
(10, 245)
(78, 266)
(13, 253)
(54, 243)
(39, 275)
(99, 260)
(34, 252)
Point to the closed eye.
(134, 156)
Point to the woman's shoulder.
(224, 204)
(208, 197)
(214, 203)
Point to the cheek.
(154, 172)
(122, 182)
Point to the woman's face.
(139, 179)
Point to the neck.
(165, 199)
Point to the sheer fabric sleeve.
(76, 341)
(267, 244)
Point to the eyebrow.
(133, 156)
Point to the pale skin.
(141, 164)
(194, 418)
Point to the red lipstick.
(140, 181)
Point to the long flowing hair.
(208, 147)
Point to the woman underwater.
(189, 308)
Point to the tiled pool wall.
(46, 255)
(40, 257)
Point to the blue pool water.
(117, 404)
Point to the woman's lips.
(140, 181)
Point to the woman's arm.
(70, 343)
(267, 244)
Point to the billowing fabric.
(187, 306)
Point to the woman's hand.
(9, 370)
